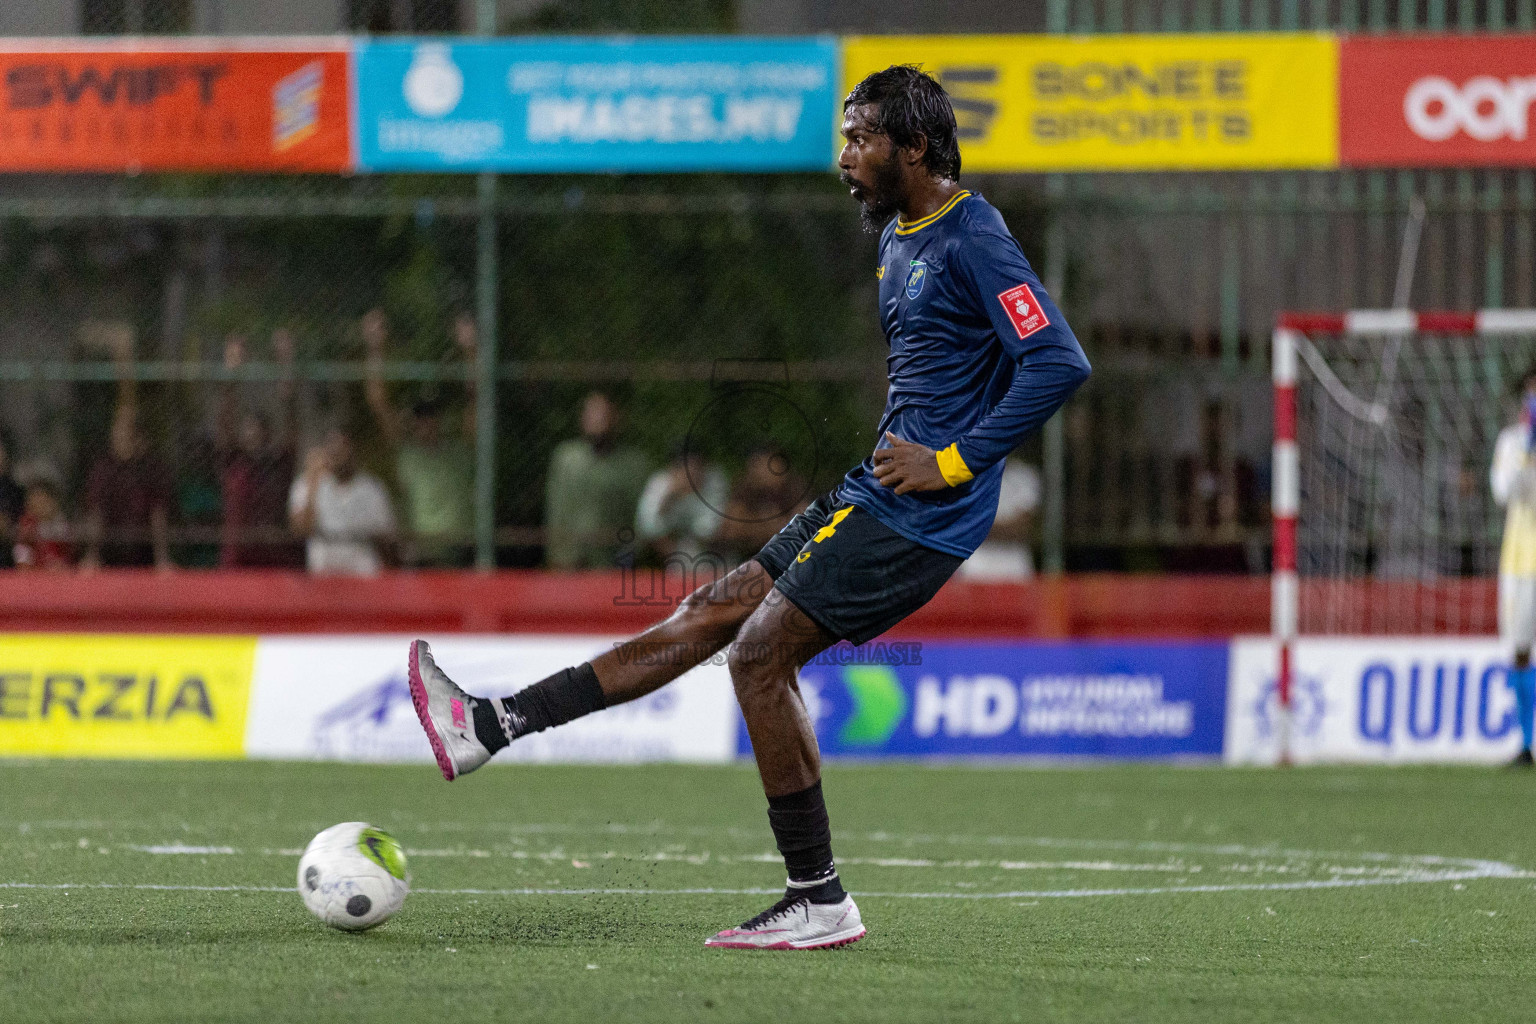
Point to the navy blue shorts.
(853, 575)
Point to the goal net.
(1384, 521)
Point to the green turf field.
(1128, 893)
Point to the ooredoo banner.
(1383, 699)
(127, 109)
(1128, 102)
(1437, 101)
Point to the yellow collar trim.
(905, 228)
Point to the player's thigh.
(778, 636)
(732, 598)
(1517, 610)
(856, 578)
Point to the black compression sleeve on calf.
(569, 693)
(804, 836)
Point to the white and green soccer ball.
(352, 876)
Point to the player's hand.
(908, 466)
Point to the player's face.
(868, 166)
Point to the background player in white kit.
(1514, 486)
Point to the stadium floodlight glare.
(1385, 423)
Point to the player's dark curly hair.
(911, 103)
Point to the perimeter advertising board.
(69, 695)
(126, 108)
(1391, 699)
(1438, 101)
(345, 698)
(1128, 102)
(1088, 699)
(596, 104)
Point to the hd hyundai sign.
(596, 104)
(1088, 699)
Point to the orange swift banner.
(171, 109)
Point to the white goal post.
(1385, 422)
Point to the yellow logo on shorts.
(826, 531)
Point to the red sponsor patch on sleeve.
(1023, 310)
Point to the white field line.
(1310, 884)
(560, 856)
(1272, 860)
(1368, 868)
(662, 830)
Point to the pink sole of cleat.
(419, 701)
(710, 943)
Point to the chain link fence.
(228, 332)
(177, 355)
(240, 323)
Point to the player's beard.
(881, 199)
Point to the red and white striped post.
(1290, 330)
(1286, 500)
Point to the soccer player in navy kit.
(979, 357)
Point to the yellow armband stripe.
(952, 466)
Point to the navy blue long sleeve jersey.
(979, 357)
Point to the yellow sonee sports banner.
(124, 696)
(1128, 102)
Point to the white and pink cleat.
(796, 923)
(445, 713)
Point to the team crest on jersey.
(916, 276)
(1024, 310)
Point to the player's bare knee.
(1523, 658)
(756, 661)
(729, 601)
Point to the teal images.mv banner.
(717, 104)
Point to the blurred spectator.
(679, 507)
(434, 467)
(128, 491)
(257, 467)
(12, 498)
(593, 489)
(196, 504)
(765, 497)
(342, 510)
(42, 531)
(1005, 554)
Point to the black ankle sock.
(569, 693)
(488, 727)
(804, 836)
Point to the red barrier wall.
(599, 602)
